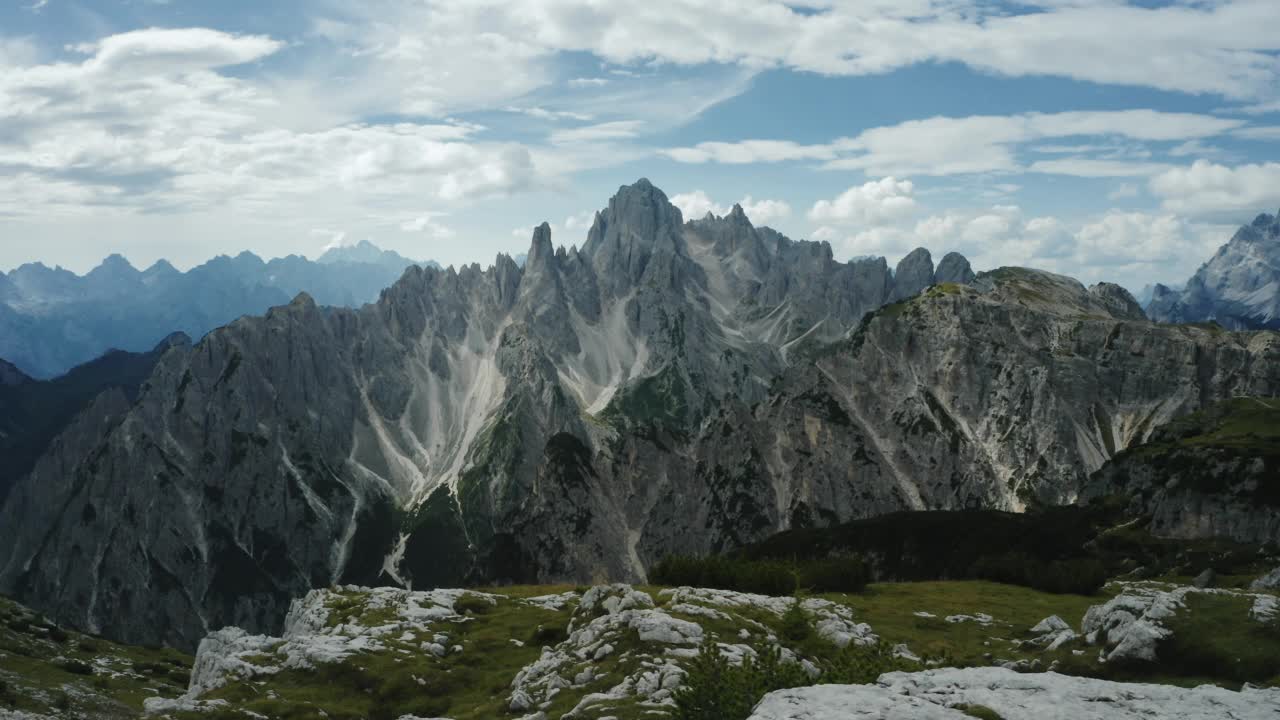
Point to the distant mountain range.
(52, 320)
(1238, 288)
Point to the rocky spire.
(639, 225)
(913, 274)
(954, 268)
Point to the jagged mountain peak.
(116, 262)
(1239, 287)
(954, 268)
(913, 273)
(541, 251)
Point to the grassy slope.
(1215, 646)
(43, 669)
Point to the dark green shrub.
(860, 664)
(838, 574)
(1080, 576)
(549, 635)
(472, 604)
(7, 695)
(76, 667)
(982, 712)
(61, 701)
(797, 626)
(57, 634)
(765, 577)
(715, 689)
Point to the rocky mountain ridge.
(670, 387)
(1238, 288)
(34, 412)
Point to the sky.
(1106, 139)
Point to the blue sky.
(1100, 138)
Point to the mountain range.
(52, 320)
(1238, 288)
(670, 387)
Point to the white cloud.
(583, 82)
(545, 114)
(1265, 133)
(159, 51)
(1206, 188)
(1223, 47)
(763, 212)
(696, 204)
(336, 239)
(1096, 168)
(601, 132)
(750, 151)
(877, 202)
(147, 122)
(1131, 248)
(427, 225)
(1124, 191)
(975, 144)
(580, 221)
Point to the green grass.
(467, 685)
(1210, 638)
(1213, 642)
(51, 670)
(890, 610)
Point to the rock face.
(34, 412)
(913, 274)
(52, 320)
(946, 694)
(1132, 625)
(954, 268)
(1239, 288)
(668, 388)
(1214, 473)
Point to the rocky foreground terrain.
(918, 650)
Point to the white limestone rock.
(937, 694)
(1270, 581)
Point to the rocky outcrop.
(952, 694)
(1118, 301)
(670, 387)
(954, 268)
(1238, 288)
(1214, 473)
(1131, 626)
(913, 274)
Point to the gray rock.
(1206, 579)
(1270, 581)
(1051, 624)
(954, 268)
(913, 274)
(1118, 301)
(1238, 288)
